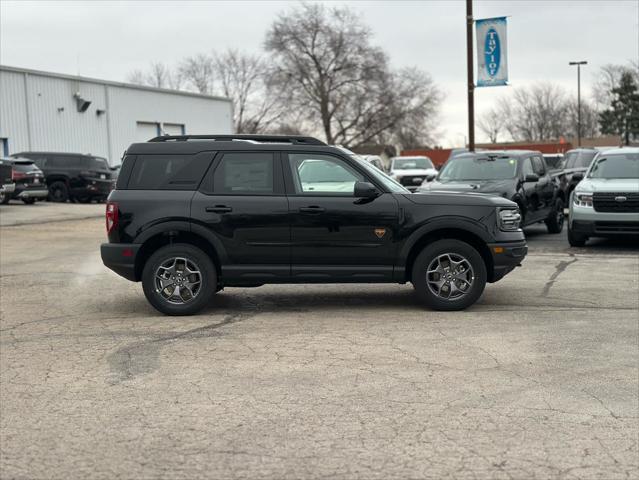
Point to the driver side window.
(322, 174)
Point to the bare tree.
(246, 80)
(329, 68)
(607, 78)
(158, 75)
(589, 118)
(491, 124)
(198, 73)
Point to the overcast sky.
(109, 39)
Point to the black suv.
(193, 214)
(518, 175)
(73, 176)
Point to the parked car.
(605, 203)
(74, 176)
(29, 183)
(411, 172)
(374, 160)
(576, 161)
(7, 186)
(188, 218)
(518, 175)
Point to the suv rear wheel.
(179, 279)
(555, 221)
(449, 275)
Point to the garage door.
(146, 131)
(172, 129)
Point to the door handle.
(312, 209)
(219, 209)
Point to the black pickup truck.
(518, 175)
(191, 215)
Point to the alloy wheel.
(450, 276)
(178, 280)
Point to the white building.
(42, 111)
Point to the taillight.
(111, 216)
(15, 175)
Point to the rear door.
(336, 236)
(545, 186)
(243, 204)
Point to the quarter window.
(168, 172)
(244, 173)
(322, 174)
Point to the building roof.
(133, 86)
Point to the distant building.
(54, 112)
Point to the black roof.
(498, 153)
(190, 144)
(66, 154)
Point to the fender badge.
(380, 232)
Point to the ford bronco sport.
(191, 215)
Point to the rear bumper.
(506, 256)
(94, 188)
(120, 257)
(41, 192)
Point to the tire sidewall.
(63, 188)
(428, 254)
(200, 258)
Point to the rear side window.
(168, 172)
(244, 173)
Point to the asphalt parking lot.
(540, 379)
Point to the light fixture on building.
(99, 112)
(81, 103)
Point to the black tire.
(576, 239)
(4, 198)
(555, 221)
(199, 259)
(58, 192)
(457, 249)
(29, 201)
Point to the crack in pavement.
(559, 269)
(142, 358)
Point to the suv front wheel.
(179, 279)
(449, 275)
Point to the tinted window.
(64, 162)
(538, 166)
(168, 172)
(616, 166)
(478, 168)
(323, 174)
(579, 159)
(96, 163)
(244, 173)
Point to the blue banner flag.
(492, 61)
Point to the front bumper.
(506, 256)
(588, 222)
(120, 257)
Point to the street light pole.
(579, 64)
(471, 82)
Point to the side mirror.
(430, 178)
(578, 176)
(531, 177)
(365, 190)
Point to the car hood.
(414, 171)
(496, 187)
(441, 197)
(608, 185)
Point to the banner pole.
(471, 83)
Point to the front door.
(334, 235)
(243, 204)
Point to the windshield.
(616, 166)
(98, 163)
(579, 159)
(482, 168)
(380, 176)
(408, 163)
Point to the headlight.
(582, 199)
(509, 219)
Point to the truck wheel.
(555, 221)
(575, 239)
(179, 279)
(449, 275)
(4, 197)
(58, 192)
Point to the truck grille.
(616, 202)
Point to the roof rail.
(293, 139)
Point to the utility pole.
(471, 82)
(579, 64)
